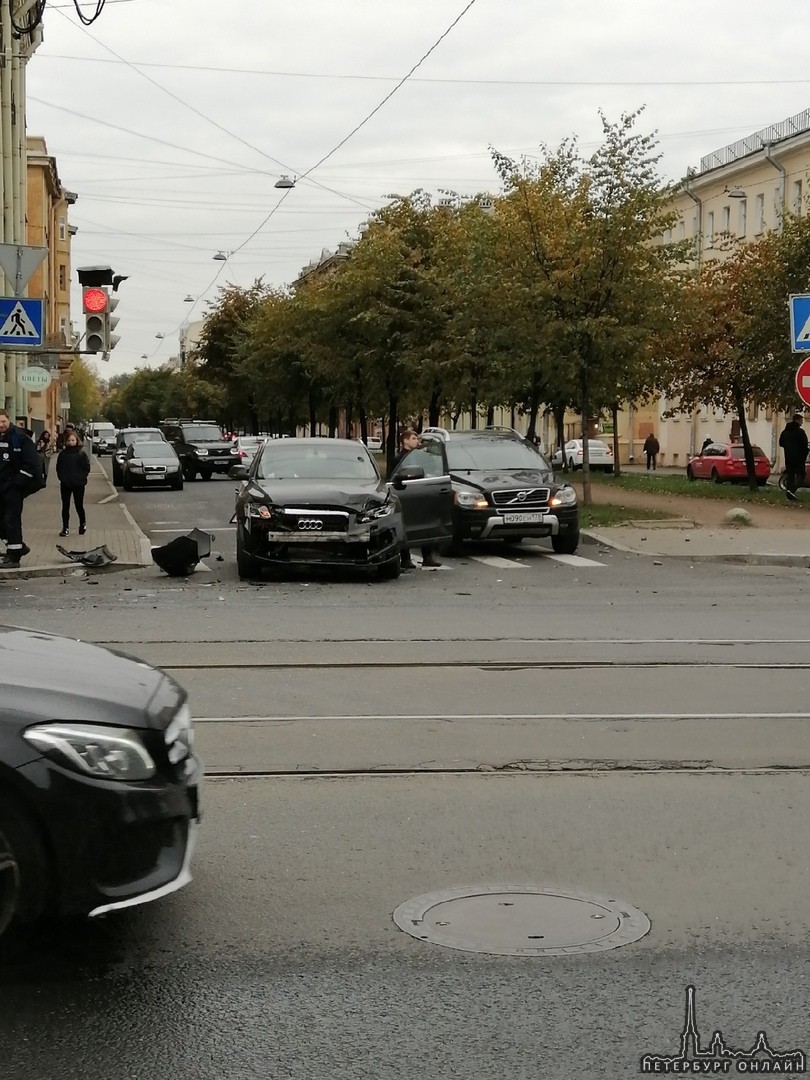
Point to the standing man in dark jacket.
(651, 449)
(19, 464)
(793, 441)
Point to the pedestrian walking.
(793, 441)
(44, 447)
(72, 468)
(409, 440)
(651, 449)
(19, 469)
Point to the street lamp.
(284, 181)
(189, 299)
(222, 256)
(735, 192)
(160, 337)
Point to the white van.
(102, 438)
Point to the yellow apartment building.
(47, 225)
(739, 193)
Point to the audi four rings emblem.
(313, 524)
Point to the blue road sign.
(799, 323)
(21, 322)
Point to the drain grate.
(521, 920)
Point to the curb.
(63, 570)
(741, 559)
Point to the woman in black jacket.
(73, 468)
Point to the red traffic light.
(94, 300)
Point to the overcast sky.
(173, 119)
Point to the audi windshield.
(316, 463)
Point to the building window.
(797, 198)
(682, 231)
(742, 218)
(63, 330)
(62, 229)
(769, 414)
(726, 219)
(759, 215)
(710, 229)
(62, 276)
(753, 411)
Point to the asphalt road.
(602, 725)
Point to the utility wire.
(210, 120)
(391, 93)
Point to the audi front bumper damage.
(360, 546)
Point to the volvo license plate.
(522, 519)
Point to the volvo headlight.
(470, 500)
(107, 753)
(566, 496)
(200, 452)
(374, 513)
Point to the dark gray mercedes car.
(98, 780)
(322, 503)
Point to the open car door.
(421, 482)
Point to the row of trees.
(557, 294)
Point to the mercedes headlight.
(566, 496)
(107, 753)
(470, 500)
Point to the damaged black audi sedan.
(321, 502)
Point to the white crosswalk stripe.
(499, 563)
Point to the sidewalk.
(108, 522)
(730, 544)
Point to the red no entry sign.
(803, 380)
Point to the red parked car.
(726, 461)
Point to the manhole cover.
(521, 920)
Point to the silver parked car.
(152, 464)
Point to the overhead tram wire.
(216, 124)
(391, 93)
(464, 82)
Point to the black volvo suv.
(503, 487)
(200, 446)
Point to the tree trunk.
(585, 405)
(434, 408)
(333, 421)
(363, 423)
(490, 415)
(393, 424)
(512, 415)
(474, 410)
(313, 419)
(455, 418)
(534, 408)
(254, 416)
(617, 466)
(750, 468)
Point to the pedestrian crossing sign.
(21, 321)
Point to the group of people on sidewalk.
(24, 468)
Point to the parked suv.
(125, 438)
(503, 487)
(201, 446)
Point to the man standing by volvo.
(793, 441)
(19, 465)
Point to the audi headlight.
(200, 452)
(108, 753)
(374, 513)
(470, 500)
(566, 496)
(257, 510)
